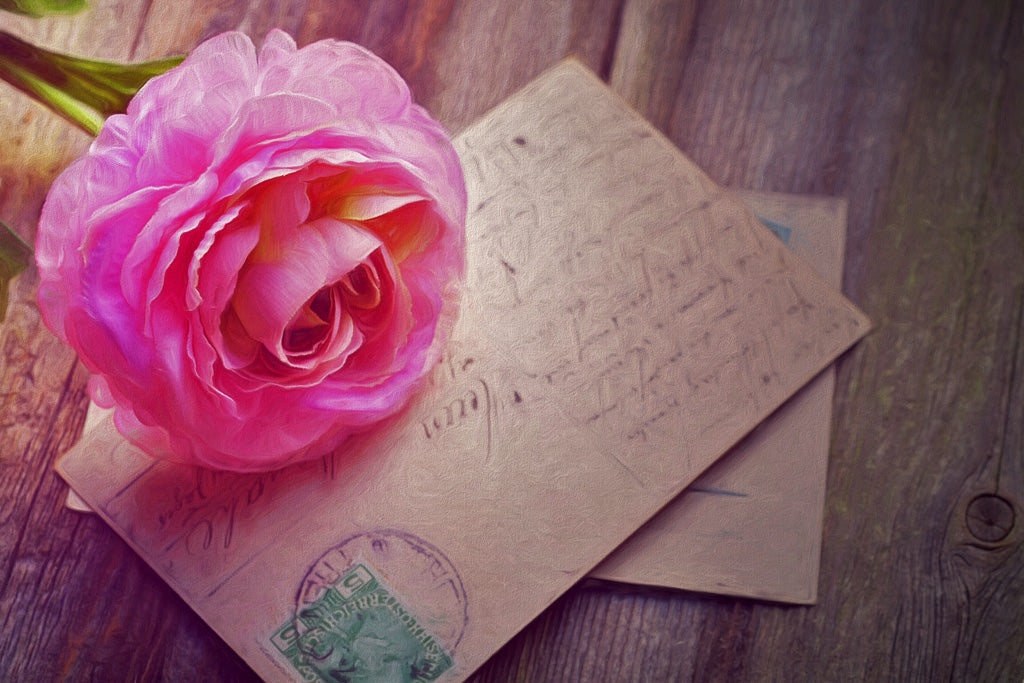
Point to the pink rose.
(261, 257)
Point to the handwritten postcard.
(625, 323)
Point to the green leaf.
(15, 255)
(40, 8)
(84, 91)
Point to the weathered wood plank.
(920, 425)
(486, 53)
(652, 49)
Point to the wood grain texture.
(913, 110)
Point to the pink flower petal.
(261, 257)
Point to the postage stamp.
(352, 624)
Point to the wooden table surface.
(913, 110)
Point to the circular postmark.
(382, 605)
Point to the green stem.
(41, 8)
(15, 255)
(84, 91)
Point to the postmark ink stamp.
(380, 606)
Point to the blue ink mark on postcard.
(781, 231)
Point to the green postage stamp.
(358, 631)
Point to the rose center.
(313, 323)
(356, 295)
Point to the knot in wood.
(990, 517)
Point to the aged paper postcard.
(625, 322)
